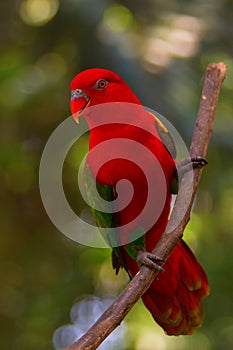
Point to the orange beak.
(79, 101)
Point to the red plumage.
(175, 299)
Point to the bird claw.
(198, 162)
(150, 260)
(189, 163)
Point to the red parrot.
(174, 300)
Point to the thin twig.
(113, 316)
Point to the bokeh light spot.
(38, 12)
(177, 36)
(118, 18)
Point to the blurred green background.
(161, 49)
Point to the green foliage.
(161, 49)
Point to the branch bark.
(113, 316)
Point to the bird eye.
(78, 91)
(101, 84)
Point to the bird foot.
(189, 163)
(150, 260)
(198, 162)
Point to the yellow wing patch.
(165, 136)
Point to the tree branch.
(113, 316)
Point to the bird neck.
(118, 120)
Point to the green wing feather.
(108, 219)
(104, 218)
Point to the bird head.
(96, 86)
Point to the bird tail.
(174, 300)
